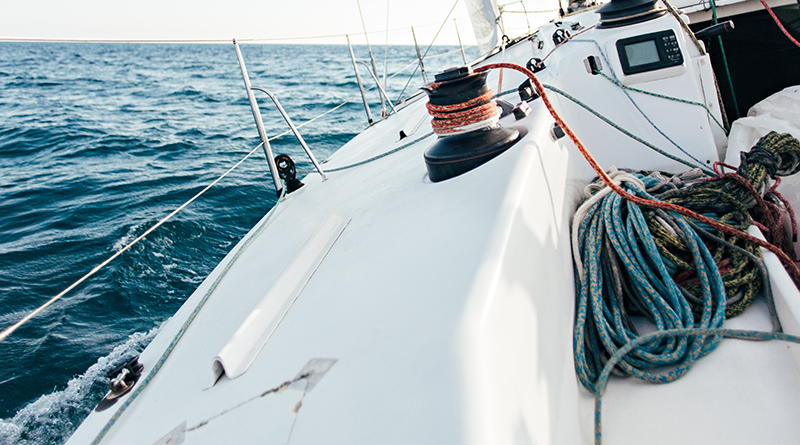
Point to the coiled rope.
(677, 345)
(618, 264)
(654, 264)
(733, 199)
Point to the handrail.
(294, 129)
(378, 83)
(276, 178)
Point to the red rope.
(718, 166)
(463, 105)
(455, 121)
(778, 22)
(788, 263)
(479, 110)
(790, 211)
(452, 118)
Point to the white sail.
(484, 15)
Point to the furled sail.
(484, 15)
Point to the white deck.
(449, 306)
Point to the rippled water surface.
(100, 141)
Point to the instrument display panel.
(649, 52)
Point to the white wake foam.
(52, 418)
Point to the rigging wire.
(616, 81)
(447, 53)
(618, 127)
(662, 96)
(429, 48)
(386, 49)
(371, 57)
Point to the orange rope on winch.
(450, 119)
(787, 261)
(455, 107)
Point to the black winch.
(466, 121)
(618, 13)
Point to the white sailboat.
(424, 289)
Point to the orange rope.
(455, 107)
(788, 263)
(774, 17)
(451, 118)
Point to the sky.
(273, 20)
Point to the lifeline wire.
(374, 158)
(8, 331)
(429, 47)
(157, 367)
(11, 329)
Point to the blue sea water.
(99, 141)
